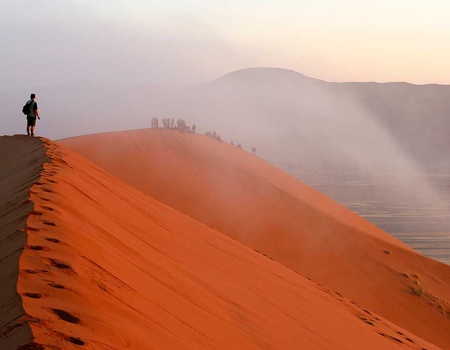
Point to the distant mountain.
(269, 76)
(284, 114)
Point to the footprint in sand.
(34, 272)
(49, 223)
(65, 316)
(59, 265)
(76, 341)
(35, 247)
(33, 295)
(27, 228)
(390, 337)
(47, 208)
(53, 240)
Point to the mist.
(94, 73)
(49, 43)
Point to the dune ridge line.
(105, 266)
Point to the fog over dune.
(397, 128)
(51, 43)
(286, 115)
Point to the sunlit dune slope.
(248, 199)
(90, 262)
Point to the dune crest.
(251, 201)
(104, 266)
(21, 161)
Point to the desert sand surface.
(253, 202)
(89, 262)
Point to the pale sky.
(50, 42)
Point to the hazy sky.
(49, 42)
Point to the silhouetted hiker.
(193, 128)
(32, 112)
(239, 146)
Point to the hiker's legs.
(31, 122)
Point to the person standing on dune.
(32, 111)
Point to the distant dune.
(88, 261)
(246, 198)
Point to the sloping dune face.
(249, 200)
(20, 167)
(104, 266)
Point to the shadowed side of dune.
(108, 267)
(249, 200)
(21, 163)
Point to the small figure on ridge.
(31, 111)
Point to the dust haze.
(49, 43)
(95, 75)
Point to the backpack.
(27, 108)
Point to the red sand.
(102, 266)
(249, 200)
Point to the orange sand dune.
(249, 200)
(90, 262)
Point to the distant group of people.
(213, 135)
(180, 125)
(32, 112)
(240, 147)
(155, 123)
(169, 123)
